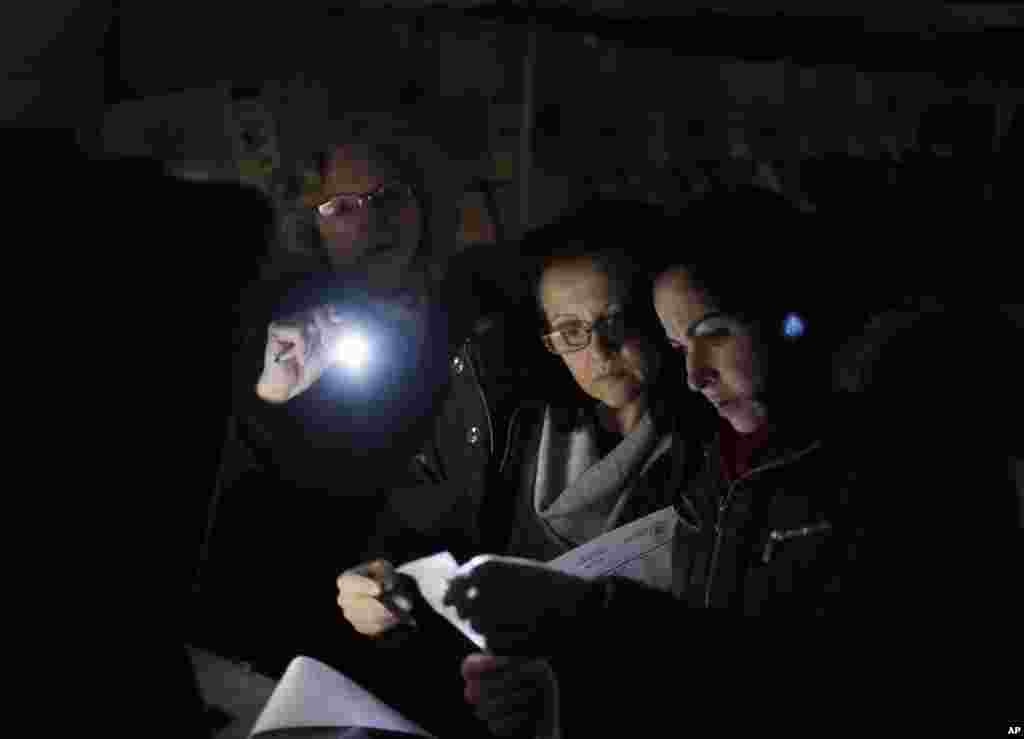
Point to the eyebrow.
(610, 308)
(706, 317)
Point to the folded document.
(312, 696)
(641, 551)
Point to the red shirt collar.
(737, 450)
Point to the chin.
(620, 395)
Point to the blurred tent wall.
(53, 67)
(619, 97)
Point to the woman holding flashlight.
(352, 360)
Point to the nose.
(699, 372)
(600, 348)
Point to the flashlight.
(351, 350)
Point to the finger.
(363, 608)
(521, 676)
(476, 665)
(334, 314)
(327, 329)
(369, 619)
(376, 628)
(281, 331)
(510, 724)
(320, 319)
(471, 692)
(493, 706)
(380, 571)
(351, 584)
(499, 688)
(285, 348)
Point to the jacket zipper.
(724, 507)
(776, 536)
(508, 439)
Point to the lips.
(611, 374)
(720, 403)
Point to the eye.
(714, 328)
(574, 333)
(387, 197)
(340, 205)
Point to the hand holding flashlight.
(299, 350)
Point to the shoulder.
(481, 282)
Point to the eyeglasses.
(573, 336)
(344, 204)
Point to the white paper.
(433, 574)
(641, 551)
(312, 695)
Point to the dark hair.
(609, 233)
(754, 265)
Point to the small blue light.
(793, 326)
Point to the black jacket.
(446, 505)
(767, 543)
(893, 513)
(345, 471)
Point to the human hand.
(519, 606)
(360, 593)
(298, 351)
(514, 696)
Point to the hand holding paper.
(373, 598)
(513, 696)
(519, 606)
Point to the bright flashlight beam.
(352, 350)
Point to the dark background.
(905, 114)
(620, 98)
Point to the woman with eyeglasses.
(368, 400)
(883, 501)
(596, 454)
(595, 449)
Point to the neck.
(622, 420)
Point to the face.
(575, 292)
(380, 240)
(719, 351)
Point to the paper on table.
(641, 550)
(312, 695)
(432, 574)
